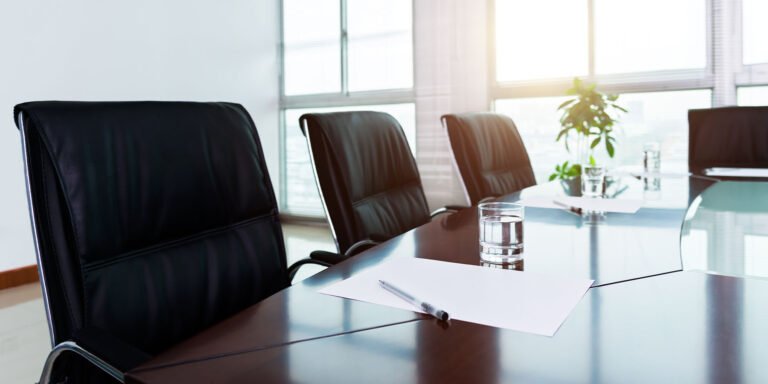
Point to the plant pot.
(572, 186)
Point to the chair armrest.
(99, 348)
(118, 353)
(487, 199)
(295, 266)
(331, 258)
(327, 259)
(360, 246)
(447, 209)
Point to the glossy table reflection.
(726, 230)
(618, 248)
(686, 327)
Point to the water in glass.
(592, 181)
(651, 158)
(501, 237)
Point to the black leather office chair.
(727, 137)
(367, 177)
(152, 221)
(489, 154)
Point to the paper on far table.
(737, 172)
(521, 301)
(659, 175)
(589, 204)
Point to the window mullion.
(344, 49)
(724, 64)
(591, 37)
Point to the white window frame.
(344, 98)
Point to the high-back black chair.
(489, 154)
(727, 137)
(366, 175)
(152, 221)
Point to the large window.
(661, 57)
(652, 117)
(755, 30)
(649, 35)
(311, 59)
(530, 44)
(752, 78)
(753, 96)
(550, 39)
(340, 55)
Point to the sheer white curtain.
(451, 76)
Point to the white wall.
(201, 50)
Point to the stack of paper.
(521, 301)
(737, 172)
(659, 175)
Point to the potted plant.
(587, 122)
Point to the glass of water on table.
(592, 180)
(651, 158)
(501, 232)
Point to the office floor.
(24, 340)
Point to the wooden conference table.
(645, 319)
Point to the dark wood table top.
(615, 249)
(684, 327)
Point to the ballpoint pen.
(423, 305)
(575, 210)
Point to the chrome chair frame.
(71, 346)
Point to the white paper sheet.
(516, 300)
(737, 172)
(675, 171)
(659, 175)
(589, 204)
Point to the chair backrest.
(727, 137)
(152, 220)
(489, 154)
(366, 174)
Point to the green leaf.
(595, 142)
(561, 134)
(566, 103)
(609, 148)
(619, 108)
(552, 176)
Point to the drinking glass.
(501, 232)
(651, 158)
(592, 180)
